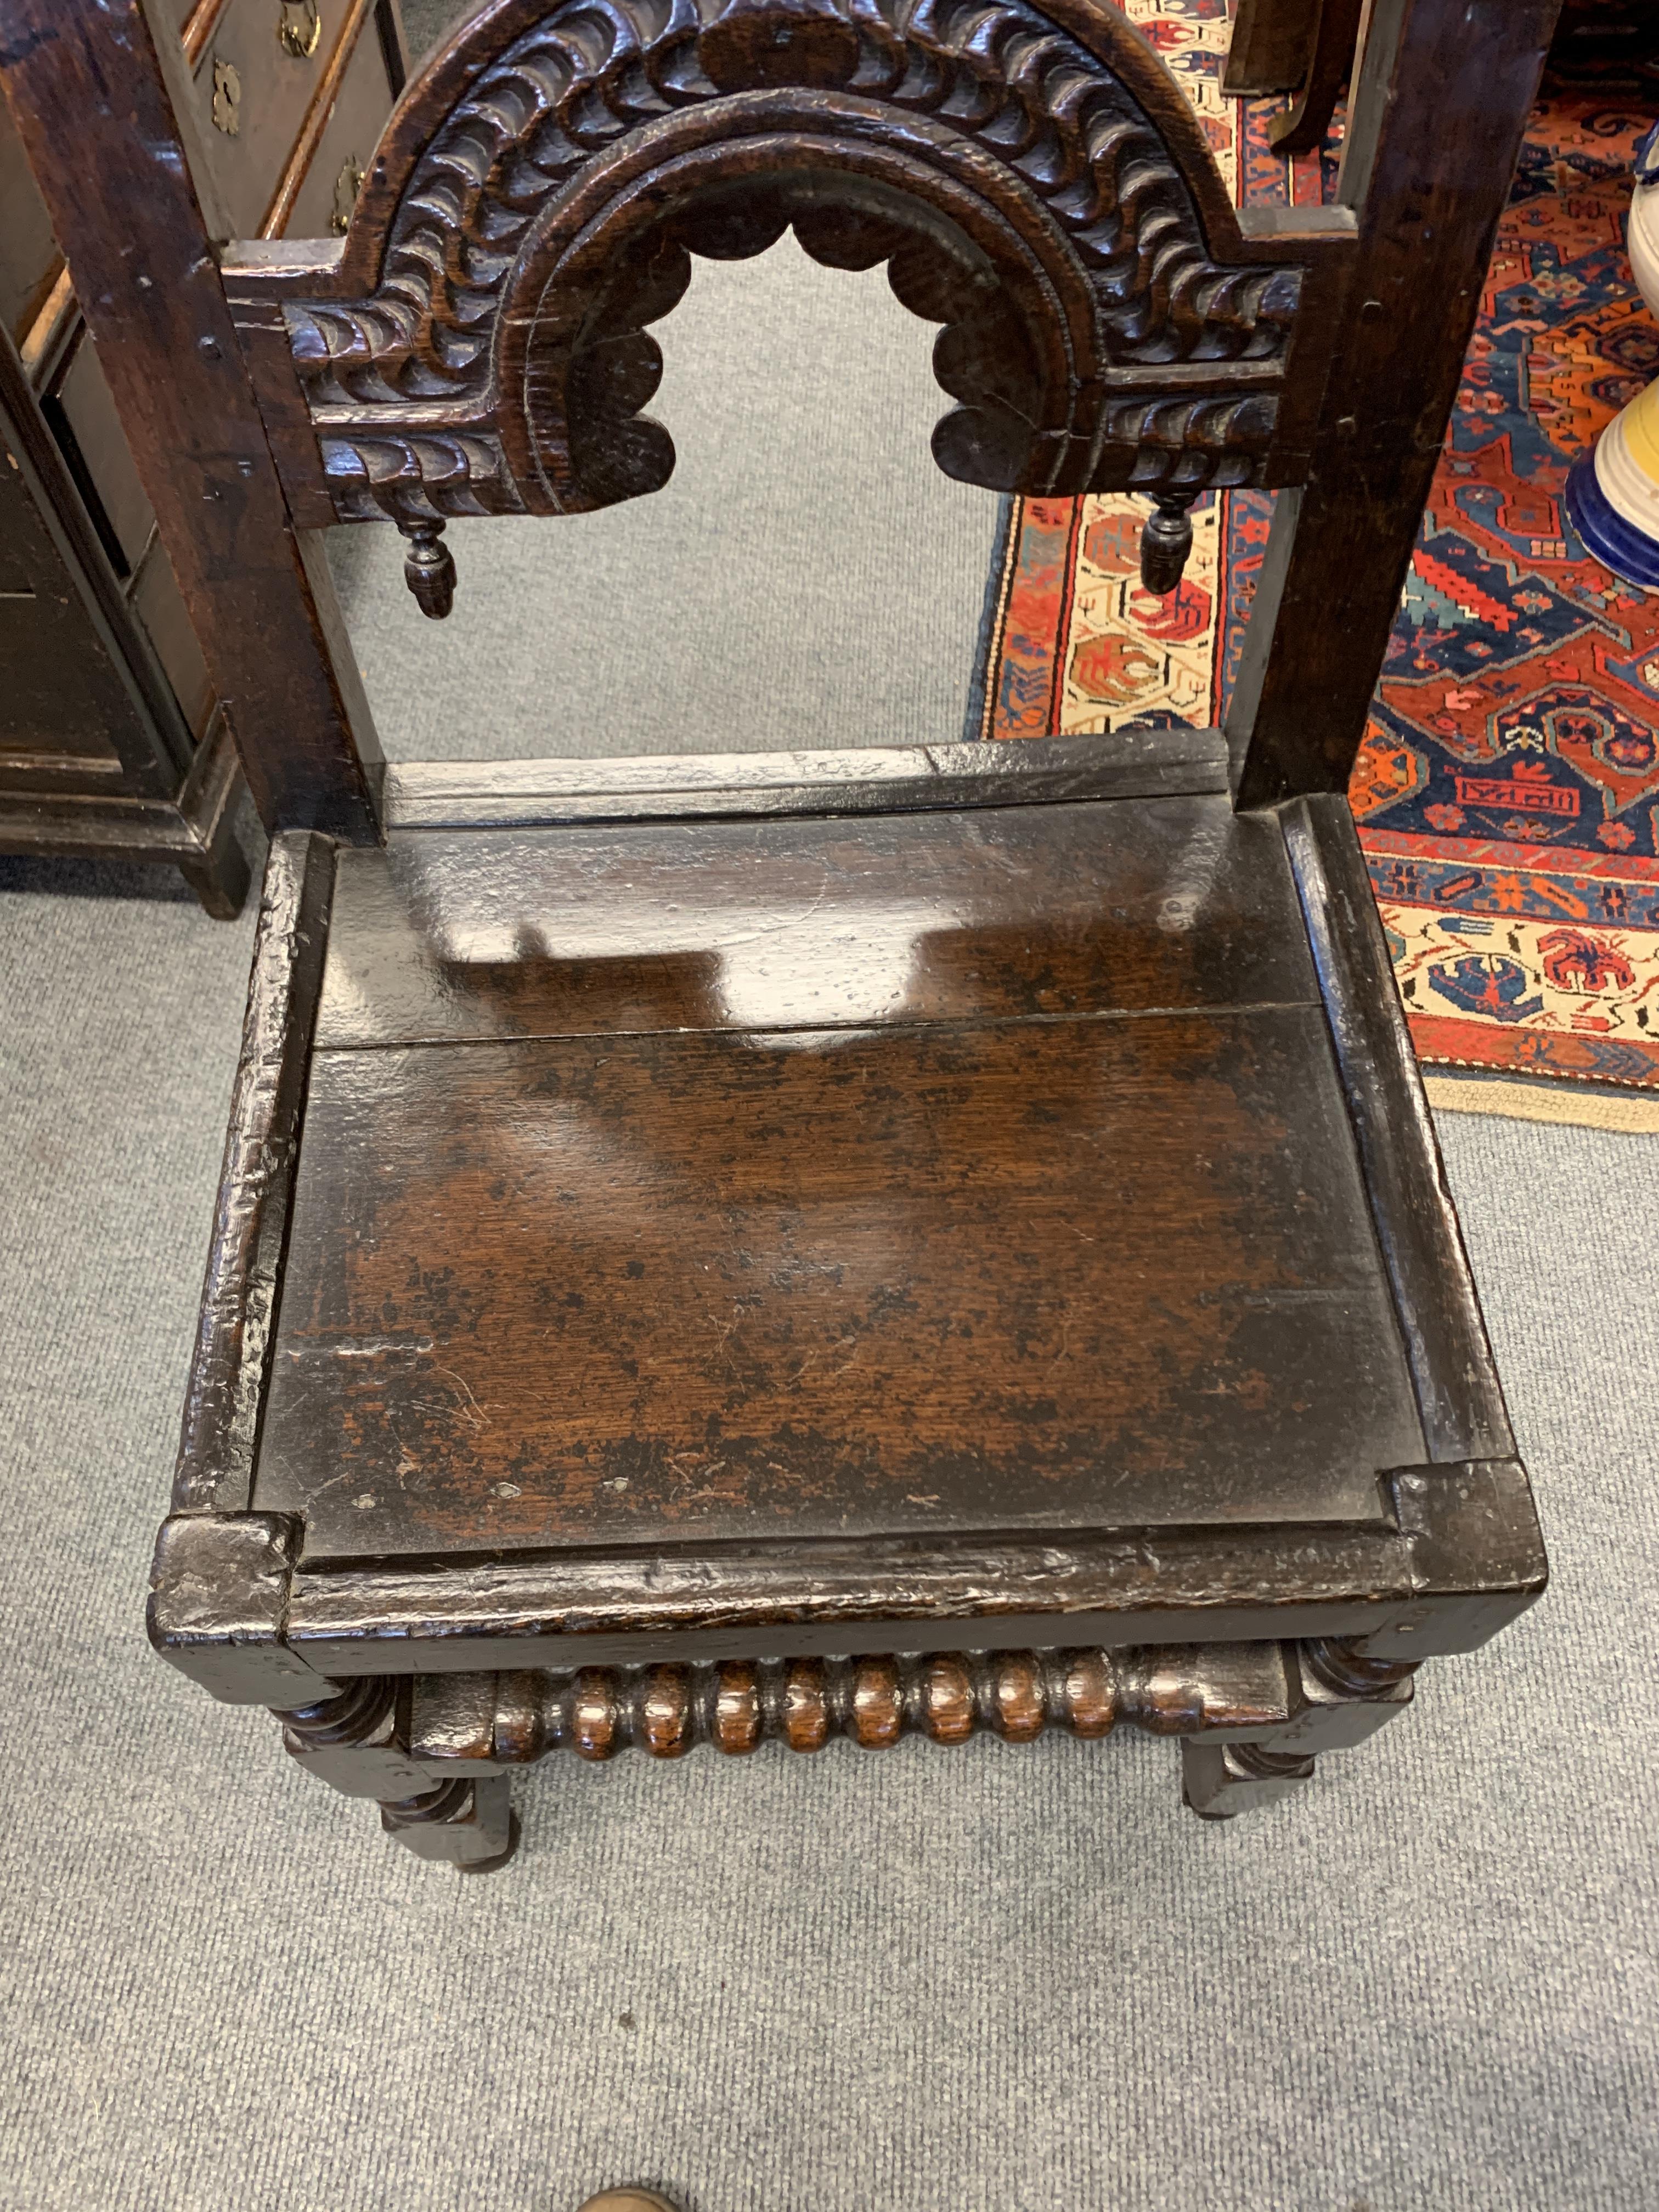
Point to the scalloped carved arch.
(1032, 177)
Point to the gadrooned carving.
(1039, 191)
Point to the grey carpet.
(982, 1981)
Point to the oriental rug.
(1509, 785)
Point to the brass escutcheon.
(227, 99)
(300, 28)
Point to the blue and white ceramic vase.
(1613, 491)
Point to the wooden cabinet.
(345, 138)
(112, 740)
(272, 79)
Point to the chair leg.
(467, 1823)
(358, 1742)
(1341, 1699)
(1220, 1780)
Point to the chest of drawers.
(112, 742)
(282, 88)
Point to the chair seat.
(668, 1185)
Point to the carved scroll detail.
(592, 70)
(418, 478)
(1041, 194)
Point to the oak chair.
(727, 1249)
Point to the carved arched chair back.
(479, 342)
(1033, 177)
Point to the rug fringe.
(1576, 1104)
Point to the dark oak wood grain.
(1477, 1556)
(816, 1597)
(977, 1274)
(218, 1607)
(1134, 763)
(784, 924)
(1457, 1388)
(225, 1402)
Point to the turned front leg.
(359, 1743)
(466, 1822)
(1339, 1698)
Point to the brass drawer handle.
(227, 99)
(300, 28)
(347, 186)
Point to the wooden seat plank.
(1051, 1273)
(447, 934)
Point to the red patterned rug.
(1509, 788)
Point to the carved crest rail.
(1032, 178)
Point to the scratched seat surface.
(889, 1176)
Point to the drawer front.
(345, 149)
(259, 74)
